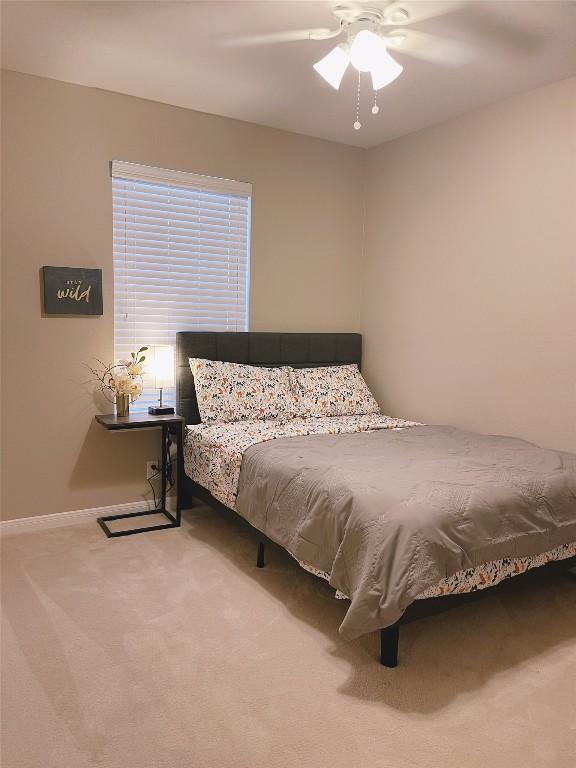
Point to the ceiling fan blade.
(438, 50)
(490, 21)
(394, 13)
(278, 37)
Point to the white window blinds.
(181, 258)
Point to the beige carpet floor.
(171, 650)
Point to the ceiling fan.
(368, 34)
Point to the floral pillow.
(337, 390)
(229, 392)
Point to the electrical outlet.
(152, 469)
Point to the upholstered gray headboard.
(300, 350)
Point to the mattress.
(390, 511)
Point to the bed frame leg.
(260, 557)
(389, 645)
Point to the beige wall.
(469, 307)
(58, 140)
(468, 295)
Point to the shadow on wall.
(113, 459)
(442, 657)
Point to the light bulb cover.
(333, 66)
(385, 71)
(366, 50)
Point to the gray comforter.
(389, 514)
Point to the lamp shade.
(333, 66)
(366, 49)
(385, 71)
(161, 365)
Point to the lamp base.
(160, 410)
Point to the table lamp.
(161, 368)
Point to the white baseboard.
(40, 522)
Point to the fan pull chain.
(358, 124)
(375, 108)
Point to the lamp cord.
(158, 473)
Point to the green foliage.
(137, 357)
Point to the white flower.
(121, 383)
(135, 389)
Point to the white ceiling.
(171, 52)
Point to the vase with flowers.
(121, 383)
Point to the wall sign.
(72, 291)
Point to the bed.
(404, 520)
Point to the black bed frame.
(299, 350)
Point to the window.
(181, 258)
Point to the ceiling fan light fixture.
(385, 71)
(333, 66)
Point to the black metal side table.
(171, 425)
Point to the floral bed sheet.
(213, 452)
